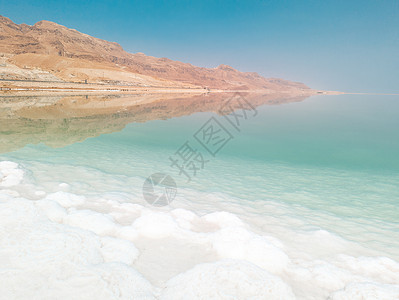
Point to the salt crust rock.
(226, 279)
(40, 257)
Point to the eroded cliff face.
(74, 56)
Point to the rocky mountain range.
(49, 51)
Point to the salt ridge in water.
(60, 243)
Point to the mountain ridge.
(28, 43)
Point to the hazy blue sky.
(337, 45)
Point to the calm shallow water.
(340, 150)
(325, 164)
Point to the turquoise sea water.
(335, 156)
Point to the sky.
(350, 46)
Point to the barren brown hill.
(74, 56)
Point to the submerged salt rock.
(379, 268)
(155, 225)
(184, 218)
(64, 185)
(40, 193)
(66, 199)
(118, 250)
(320, 276)
(29, 239)
(9, 192)
(240, 243)
(227, 279)
(15, 213)
(101, 224)
(11, 174)
(127, 232)
(41, 259)
(8, 165)
(67, 281)
(367, 290)
(223, 219)
(52, 210)
(125, 283)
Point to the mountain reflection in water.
(58, 121)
